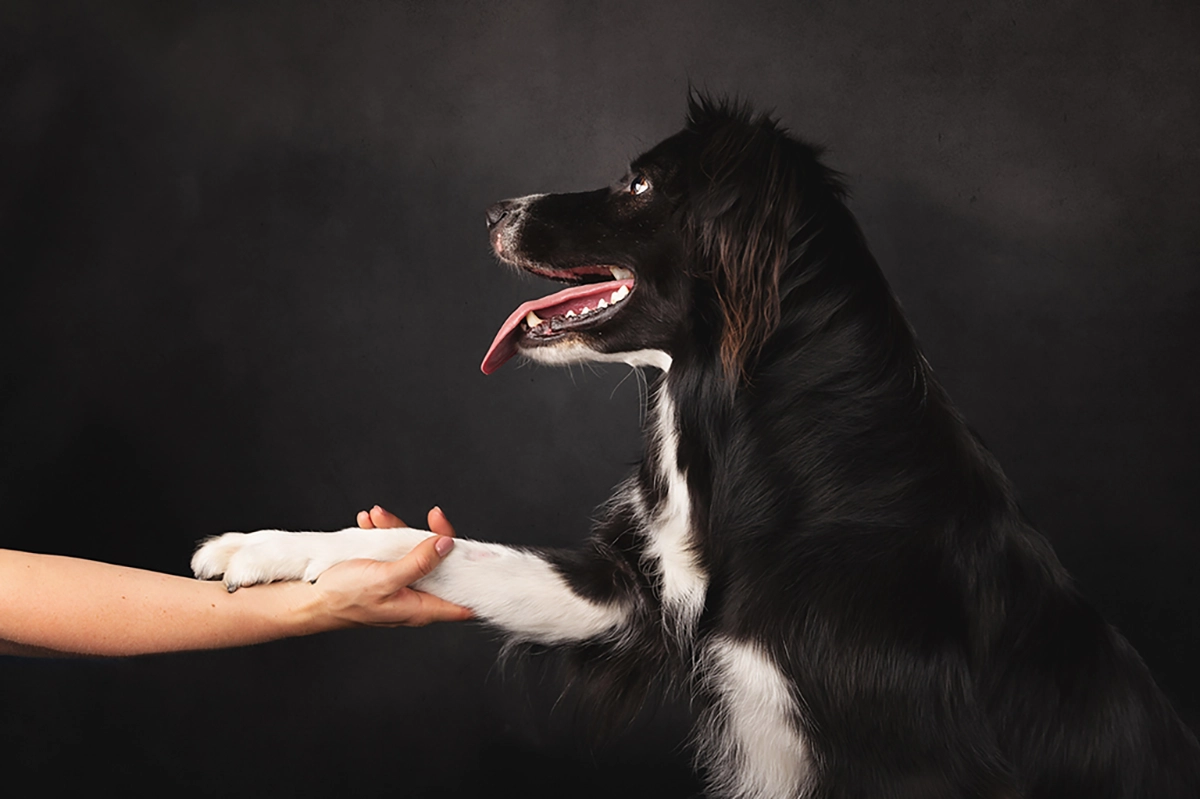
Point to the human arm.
(53, 605)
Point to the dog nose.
(497, 212)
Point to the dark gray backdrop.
(246, 284)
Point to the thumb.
(423, 559)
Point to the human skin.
(53, 605)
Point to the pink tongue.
(504, 346)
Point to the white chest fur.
(670, 545)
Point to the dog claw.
(231, 587)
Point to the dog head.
(684, 253)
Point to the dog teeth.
(532, 319)
(620, 274)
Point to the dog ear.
(741, 215)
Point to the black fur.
(848, 519)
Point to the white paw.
(262, 557)
(271, 555)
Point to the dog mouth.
(595, 295)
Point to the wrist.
(305, 609)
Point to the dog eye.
(640, 185)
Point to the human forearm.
(71, 605)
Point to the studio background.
(245, 283)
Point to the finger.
(433, 609)
(364, 520)
(423, 559)
(438, 522)
(383, 519)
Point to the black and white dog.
(815, 543)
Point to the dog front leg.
(520, 592)
(514, 589)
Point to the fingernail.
(444, 545)
(376, 508)
(438, 508)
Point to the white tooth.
(532, 319)
(620, 294)
(620, 274)
(584, 311)
(570, 314)
(601, 304)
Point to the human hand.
(376, 593)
